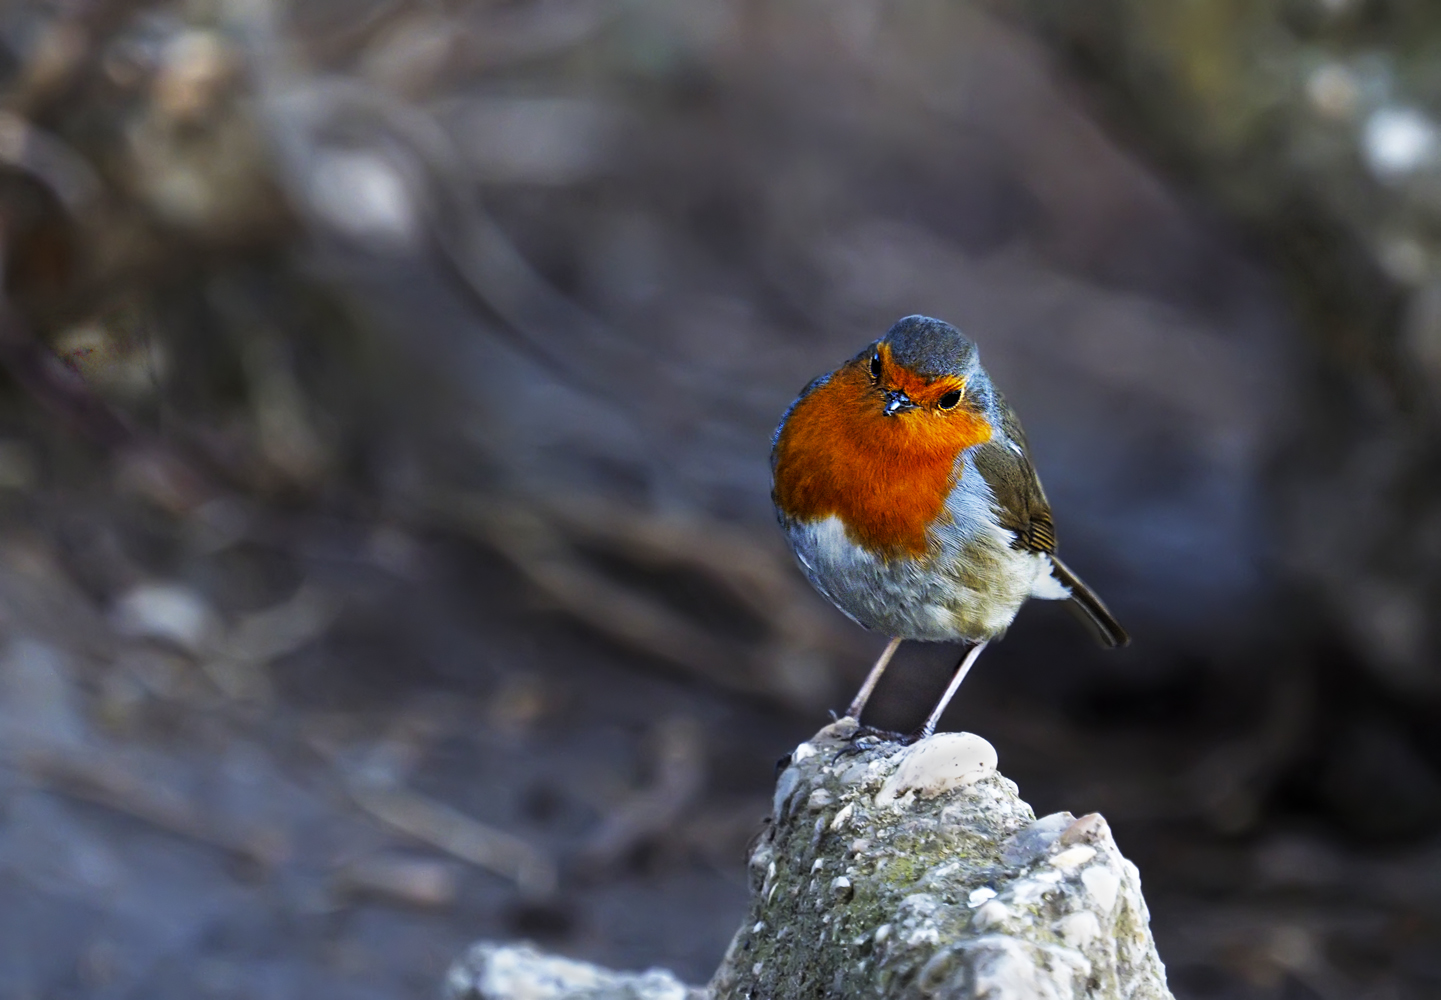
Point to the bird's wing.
(1004, 462)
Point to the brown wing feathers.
(1005, 464)
(1041, 535)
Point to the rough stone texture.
(898, 872)
(518, 972)
(919, 872)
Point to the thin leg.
(872, 679)
(962, 668)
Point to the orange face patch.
(922, 392)
(886, 478)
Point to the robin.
(906, 489)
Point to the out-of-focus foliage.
(1319, 122)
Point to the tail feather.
(1091, 609)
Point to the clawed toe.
(878, 735)
(866, 737)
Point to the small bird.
(905, 486)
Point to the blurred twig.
(652, 811)
(542, 538)
(328, 131)
(375, 781)
(458, 835)
(99, 778)
(52, 162)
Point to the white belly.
(969, 589)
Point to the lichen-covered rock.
(918, 872)
(490, 971)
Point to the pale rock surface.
(903, 872)
(518, 972)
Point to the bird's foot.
(878, 735)
(869, 737)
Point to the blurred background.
(386, 556)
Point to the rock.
(168, 611)
(952, 887)
(899, 872)
(519, 972)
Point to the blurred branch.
(543, 538)
(655, 809)
(458, 835)
(100, 779)
(345, 133)
(50, 161)
(375, 781)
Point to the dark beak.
(897, 402)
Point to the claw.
(866, 738)
(880, 735)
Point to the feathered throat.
(885, 478)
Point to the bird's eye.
(949, 400)
(876, 365)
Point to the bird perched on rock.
(905, 486)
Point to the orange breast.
(886, 478)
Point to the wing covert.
(1005, 464)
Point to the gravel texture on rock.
(919, 871)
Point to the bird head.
(926, 369)
(875, 442)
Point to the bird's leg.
(872, 679)
(962, 668)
